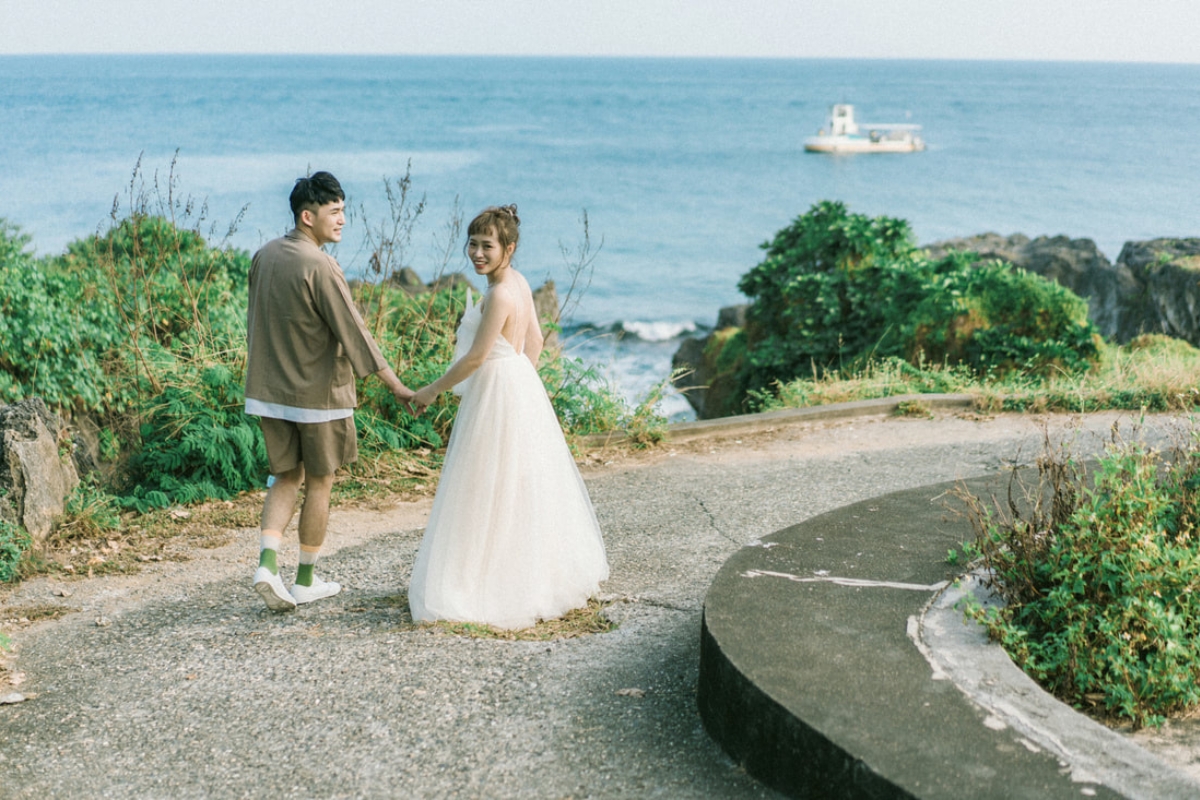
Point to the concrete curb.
(753, 423)
(820, 672)
(981, 670)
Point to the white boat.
(843, 135)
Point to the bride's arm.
(497, 307)
(533, 337)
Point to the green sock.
(308, 559)
(268, 558)
(268, 552)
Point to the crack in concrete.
(712, 521)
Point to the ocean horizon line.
(528, 57)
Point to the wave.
(640, 330)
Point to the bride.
(512, 537)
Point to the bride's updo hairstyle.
(499, 220)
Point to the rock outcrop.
(693, 375)
(1076, 264)
(34, 478)
(709, 381)
(1168, 273)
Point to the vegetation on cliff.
(845, 307)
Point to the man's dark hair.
(313, 192)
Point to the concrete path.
(178, 683)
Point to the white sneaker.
(318, 591)
(270, 587)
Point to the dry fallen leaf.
(630, 692)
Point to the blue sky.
(1073, 30)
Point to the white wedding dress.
(512, 537)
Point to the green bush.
(14, 541)
(1101, 579)
(196, 442)
(163, 282)
(51, 343)
(90, 511)
(821, 295)
(416, 335)
(838, 291)
(143, 328)
(996, 318)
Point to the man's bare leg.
(314, 523)
(277, 513)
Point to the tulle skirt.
(512, 537)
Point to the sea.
(646, 187)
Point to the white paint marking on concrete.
(913, 629)
(859, 583)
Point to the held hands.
(423, 398)
(404, 396)
(402, 393)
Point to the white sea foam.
(659, 331)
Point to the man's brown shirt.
(305, 339)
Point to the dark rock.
(449, 281)
(693, 382)
(545, 303)
(408, 280)
(85, 435)
(709, 382)
(1167, 272)
(732, 316)
(1153, 287)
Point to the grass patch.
(913, 408)
(575, 623)
(1154, 373)
(385, 477)
(23, 615)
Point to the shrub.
(837, 291)
(154, 350)
(820, 296)
(996, 319)
(1101, 578)
(196, 442)
(90, 512)
(52, 341)
(14, 541)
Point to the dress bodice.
(469, 326)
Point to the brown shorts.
(321, 447)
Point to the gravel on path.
(177, 682)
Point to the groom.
(306, 342)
